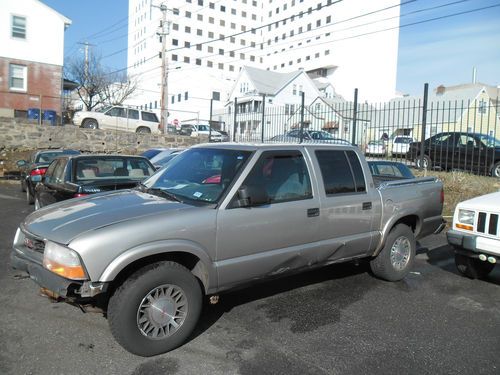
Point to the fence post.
(263, 118)
(210, 121)
(354, 116)
(234, 121)
(424, 123)
(303, 99)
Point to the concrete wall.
(16, 134)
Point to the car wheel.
(396, 258)
(29, 196)
(495, 170)
(426, 164)
(37, 203)
(471, 267)
(143, 130)
(156, 309)
(90, 124)
(23, 185)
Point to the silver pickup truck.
(217, 217)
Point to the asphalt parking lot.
(338, 320)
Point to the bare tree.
(98, 85)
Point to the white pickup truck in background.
(476, 235)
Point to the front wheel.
(37, 203)
(156, 309)
(90, 124)
(396, 258)
(29, 197)
(472, 268)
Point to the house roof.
(66, 20)
(268, 82)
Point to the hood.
(64, 221)
(488, 202)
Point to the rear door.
(254, 242)
(132, 119)
(348, 205)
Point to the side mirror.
(251, 196)
(21, 163)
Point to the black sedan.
(76, 176)
(33, 169)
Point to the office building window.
(179, 97)
(186, 95)
(198, 61)
(186, 59)
(174, 57)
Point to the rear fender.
(402, 216)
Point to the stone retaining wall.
(18, 137)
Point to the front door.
(273, 238)
(115, 119)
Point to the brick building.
(31, 56)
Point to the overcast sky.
(442, 51)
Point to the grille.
(487, 223)
(34, 244)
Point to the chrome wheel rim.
(496, 171)
(37, 204)
(400, 253)
(162, 312)
(28, 195)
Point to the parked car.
(401, 145)
(196, 130)
(33, 169)
(150, 254)
(118, 118)
(309, 136)
(165, 156)
(376, 148)
(384, 170)
(474, 152)
(475, 235)
(152, 152)
(80, 175)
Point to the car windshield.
(116, 167)
(402, 140)
(198, 174)
(489, 141)
(103, 109)
(203, 128)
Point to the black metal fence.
(449, 128)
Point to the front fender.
(204, 270)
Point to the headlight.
(466, 217)
(63, 261)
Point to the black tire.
(124, 313)
(471, 267)
(90, 123)
(427, 162)
(143, 130)
(390, 264)
(495, 170)
(23, 185)
(29, 197)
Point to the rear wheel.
(37, 203)
(156, 309)
(396, 258)
(426, 164)
(471, 267)
(143, 130)
(23, 185)
(90, 123)
(495, 170)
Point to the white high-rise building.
(351, 44)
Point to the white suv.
(118, 118)
(476, 235)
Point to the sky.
(442, 51)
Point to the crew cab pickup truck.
(475, 235)
(220, 216)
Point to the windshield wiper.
(164, 193)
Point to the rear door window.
(149, 116)
(341, 172)
(133, 114)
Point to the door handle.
(312, 212)
(367, 205)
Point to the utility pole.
(163, 32)
(86, 67)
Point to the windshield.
(47, 157)
(199, 174)
(103, 109)
(116, 168)
(489, 141)
(203, 128)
